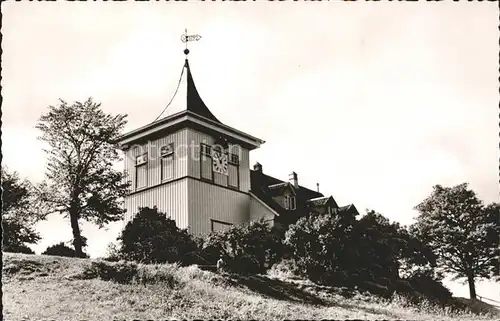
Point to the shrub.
(431, 287)
(17, 249)
(321, 247)
(61, 250)
(120, 272)
(130, 272)
(285, 269)
(19, 213)
(157, 273)
(247, 248)
(113, 253)
(152, 237)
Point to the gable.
(281, 189)
(323, 202)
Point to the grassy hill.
(49, 287)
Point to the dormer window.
(290, 202)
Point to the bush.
(61, 250)
(112, 253)
(152, 237)
(17, 249)
(247, 248)
(129, 272)
(19, 213)
(16, 235)
(321, 247)
(285, 269)
(432, 288)
(120, 272)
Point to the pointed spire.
(194, 102)
(186, 97)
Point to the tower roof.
(186, 108)
(187, 97)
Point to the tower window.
(167, 162)
(233, 179)
(141, 171)
(206, 171)
(234, 159)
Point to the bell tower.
(188, 163)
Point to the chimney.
(257, 167)
(292, 178)
(317, 187)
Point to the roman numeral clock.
(220, 162)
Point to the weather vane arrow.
(186, 38)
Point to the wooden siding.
(190, 202)
(210, 202)
(179, 139)
(194, 139)
(169, 198)
(258, 211)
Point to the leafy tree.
(322, 247)
(152, 237)
(61, 249)
(18, 214)
(462, 232)
(249, 248)
(82, 183)
(379, 245)
(388, 249)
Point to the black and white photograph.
(250, 160)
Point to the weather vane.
(186, 38)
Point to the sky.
(376, 102)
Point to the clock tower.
(189, 164)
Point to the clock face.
(220, 163)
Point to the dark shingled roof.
(322, 201)
(194, 102)
(264, 187)
(347, 209)
(278, 189)
(260, 180)
(269, 201)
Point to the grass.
(49, 287)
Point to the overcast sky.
(377, 102)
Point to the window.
(289, 202)
(205, 149)
(167, 162)
(206, 162)
(234, 159)
(167, 150)
(293, 206)
(233, 179)
(219, 225)
(141, 171)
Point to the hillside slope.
(49, 287)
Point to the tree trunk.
(77, 239)
(472, 287)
